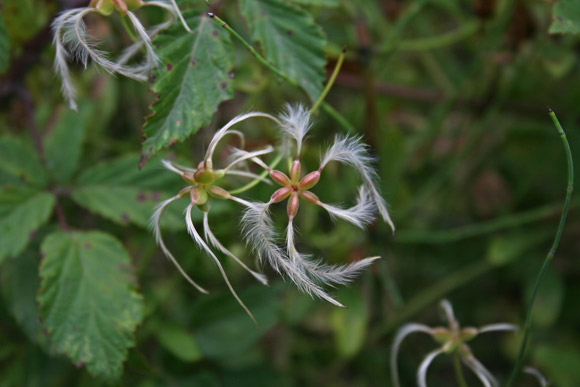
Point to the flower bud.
(309, 197)
(134, 5)
(280, 194)
(441, 335)
(204, 174)
(309, 180)
(104, 7)
(295, 172)
(280, 177)
(218, 192)
(188, 176)
(198, 196)
(293, 204)
(467, 333)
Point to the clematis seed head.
(309, 180)
(281, 194)
(279, 177)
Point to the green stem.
(330, 81)
(551, 253)
(336, 115)
(256, 181)
(127, 28)
(472, 230)
(458, 370)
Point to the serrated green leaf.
(566, 17)
(20, 284)
(88, 300)
(22, 211)
(291, 40)
(119, 191)
(18, 158)
(191, 84)
(63, 144)
(4, 46)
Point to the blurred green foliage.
(451, 95)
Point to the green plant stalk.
(336, 115)
(458, 370)
(256, 181)
(127, 28)
(552, 252)
(473, 230)
(330, 81)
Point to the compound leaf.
(88, 300)
(291, 40)
(566, 17)
(18, 158)
(119, 191)
(191, 84)
(22, 211)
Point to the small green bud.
(204, 174)
(309, 180)
(104, 7)
(198, 196)
(217, 192)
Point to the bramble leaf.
(119, 191)
(63, 144)
(566, 17)
(291, 40)
(18, 158)
(192, 82)
(88, 300)
(22, 211)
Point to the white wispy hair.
(482, 373)
(295, 122)
(200, 242)
(422, 372)
(538, 375)
(403, 332)
(351, 151)
(235, 172)
(361, 214)
(225, 130)
(239, 155)
(169, 165)
(155, 225)
(320, 272)
(209, 236)
(259, 231)
(71, 39)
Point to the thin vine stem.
(330, 81)
(458, 370)
(335, 114)
(257, 180)
(552, 252)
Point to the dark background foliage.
(452, 96)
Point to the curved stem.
(257, 180)
(330, 81)
(552, 252)
(458, 371)
(335, 114)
